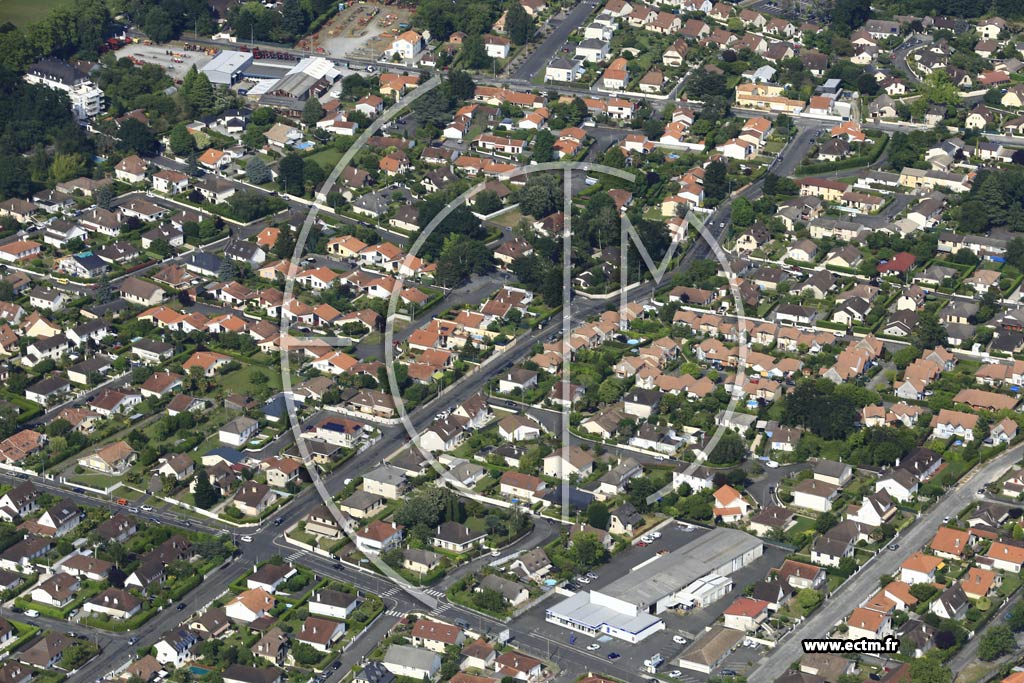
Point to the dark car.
(279, 521)
(335, 666)
(181, 606)
(613, 655)
(78, 489)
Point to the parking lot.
(175, 60)
(631, 658)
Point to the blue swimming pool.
(198, 670)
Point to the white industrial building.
(226, 67)
(691, 576)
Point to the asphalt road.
(902, 53)
(863, 584)
(540, 56)
(265, 538)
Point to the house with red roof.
(899, 264)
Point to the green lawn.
(326, 158)
(508, 219)
(95, 479)
(25, 12)
(241, 381)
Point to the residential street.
(863, 584)
(540, 56)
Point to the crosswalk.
(294, 556)
(440, 609)
(434, 592)
(398, 614)
(391, 591)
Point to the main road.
(265, 539)
(864, 583)
(555, 40)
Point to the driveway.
(760, 488)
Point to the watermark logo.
(574, 312)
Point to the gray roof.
(412, 657)
(386, 474)
(683, 566)
(509, 589)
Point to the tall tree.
(716, 184)
(290, 174)
(518, 23)
(284, 247)
(198, 91)
(461, 85)
(312, 112)
(137, 137)
(257, 171)
(206, 494)
(473, 53)
(543, 146)
(181, 141)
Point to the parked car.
(594, 646)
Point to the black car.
(615, 655)
(78, 489)
(181, 606)
(335, 666)
(279, 521)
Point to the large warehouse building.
(227, 66)
(693, 575)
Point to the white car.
(593, 646)
(147, 508)
(582, 579)
(771, 464)
(246, 539)
(679, 640)
(655, 534)
(675, 673)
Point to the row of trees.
(284, 25)
(75, 28)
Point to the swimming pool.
(198, 670)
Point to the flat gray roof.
(684, 565)
(228, 61)
(578, 609)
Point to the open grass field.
(24, 12)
